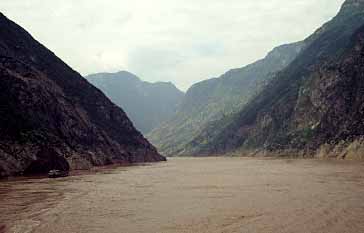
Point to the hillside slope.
(213, 99)
(52, 118)
(314, 105)
(147, 104)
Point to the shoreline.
(78, 172)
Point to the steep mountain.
(147, 104)
(213, 99)
(52, 118)
(315, 106)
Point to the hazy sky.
(183, 41)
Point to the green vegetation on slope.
(316, 100)
(215, 99)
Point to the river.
(192, 195)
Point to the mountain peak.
(147, 104)
(353, 2)
(125, 75)
(124, 72)
(53, 118)
(2, 15)
(352, 5)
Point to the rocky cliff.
(312, 107)
(52, 118)
(215, 99)
(147, 104)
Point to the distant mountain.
(52, 118)
(313, 107)
(147, 104)
(214, 99)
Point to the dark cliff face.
(316, 101)
(51, 117)
(147, 104)
(214, 99)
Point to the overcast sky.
(183, 41)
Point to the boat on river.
(57, 173)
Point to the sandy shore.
(213, 195)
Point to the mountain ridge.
(212, 99)
(53, 118)
(282, 117)
(147, 104)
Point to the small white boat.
(57, 173)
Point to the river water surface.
(210, 195)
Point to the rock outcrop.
(52, 118)
(314, 106)
(215, 99)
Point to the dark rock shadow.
(47, 159)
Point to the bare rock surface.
(52, 118)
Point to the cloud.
(168, 40)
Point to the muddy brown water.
(212, 195)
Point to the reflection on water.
(192, 195)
